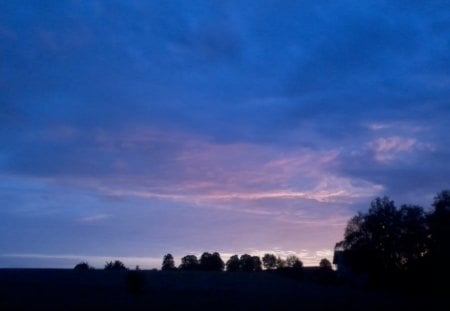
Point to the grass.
(54, 289)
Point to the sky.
(131, 129)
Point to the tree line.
(245, 263)
(214, 262)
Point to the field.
(53, 289)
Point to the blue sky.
(131, 129)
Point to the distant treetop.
(189, 262)
(325, 264)
(83, 266)
(168, 263)
(117, 265)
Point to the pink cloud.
(387, 149)
(246, 178)
(203, 173)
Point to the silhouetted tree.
(246, 263)
(116, 265)
(168, 263)
(233, 264)
(439, 223)
(189, 262)
(325, 264)
(269, 261)
(249, 263)
(386, 242)
(413, 239)
(219, 265)
(82, 266)
(292, 266)
(281, 263)
(257, 264)
(406, 244)
(325, 275)
(211, 262)
(371, 240)
(293, 261)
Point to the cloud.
(94, 218)
(397, 127)
(387, 149)
(320, 196)
(206, 172)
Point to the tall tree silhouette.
(257, 264)
(246, 263)
(233, 264)
(405, 244)
(168, 263)
(281, 263)
(439, 222)
(413, 239)
(211, 262)
(249, 263)
(370, 239)
(189, 262)
(269, 261)
(385, 240)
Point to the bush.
(82, 266)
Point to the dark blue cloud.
(335, 58)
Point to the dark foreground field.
(47, 289)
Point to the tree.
(168, 263)
(233, 264)
(269, 261)
(249, 263)
(189, 262)
(413, 241)
(325, 274)
(292, 266)
(386, 242)
(211, 262)
(117, 265)
(281, 263)
(298, 265)
(246, 263)
(439, 224)
(406, 244)
(325, 264)
(371, 239)
(257, 265)
(82, 266)
(293, 261)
